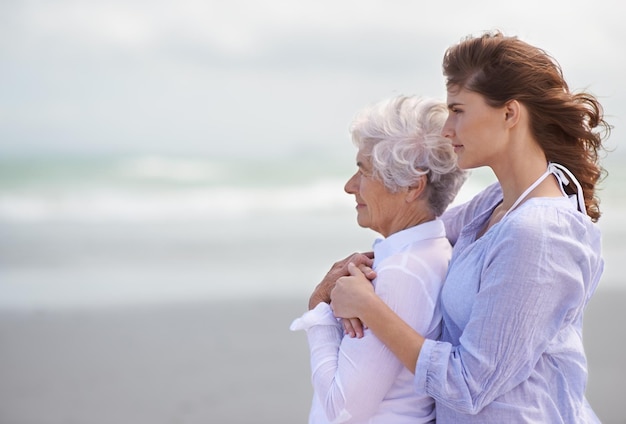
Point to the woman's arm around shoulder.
(354, 296)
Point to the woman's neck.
(416, 217)
(519, 171)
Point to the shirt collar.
(385, 247)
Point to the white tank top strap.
(559, 171)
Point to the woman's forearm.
(354, 297)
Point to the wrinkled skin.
(364, 261)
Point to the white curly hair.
(402, 136)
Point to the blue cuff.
(421, 367)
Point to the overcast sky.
(214, 77)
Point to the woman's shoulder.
(487, 199)
(555, 218)
(492, 192)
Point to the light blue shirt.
(511, 348)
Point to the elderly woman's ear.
(415, 190)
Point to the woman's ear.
(416, 189)
(512, 112)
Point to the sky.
(262, 78)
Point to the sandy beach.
(204, 362)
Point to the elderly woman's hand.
(340, 269)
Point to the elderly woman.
(407, 176)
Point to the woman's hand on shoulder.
(340, 269)
(351, 293)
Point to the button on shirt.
(361, 380)
(511, 347)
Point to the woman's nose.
(447, 130)
(349, 187)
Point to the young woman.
(407, 176)
(527, 254)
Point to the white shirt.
(361, 380)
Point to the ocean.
(102, 230)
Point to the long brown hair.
(569, 127)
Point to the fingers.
(366, 258)
(348, 328)
(353, 327)
(354, 270)
(368, 272)
(340, 268)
